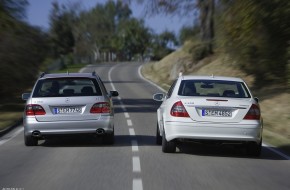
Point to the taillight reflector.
(178, 110)
(34, 109)
(253, 113)
(101, 107)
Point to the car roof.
(204, 77)
(68, 75)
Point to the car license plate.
(67, 110)
(216, 113)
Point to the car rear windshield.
(64, 87)
(213, 88)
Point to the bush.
(199, 51)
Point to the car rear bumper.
(213, 131)
(68, 127)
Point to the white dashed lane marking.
(136, 164)
(135, 147)
(132, 132)
(137, 184)
(129, 122)
(126, 115)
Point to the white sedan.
(209, 109)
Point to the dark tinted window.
(213, 88)
(63, 87)
(169, 93)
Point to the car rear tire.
(254, 149)
(109, 138)
(168, 146)
(30, 141)
(158, 136)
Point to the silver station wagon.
(68, 104)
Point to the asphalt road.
(134, 161)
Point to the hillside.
(274, 100)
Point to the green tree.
(188, 33)
(205, 9)
(97, 30)
(22, 50)
(61, 29)
(10, 11)
(163, 44)
(134, 38)
(257, 34)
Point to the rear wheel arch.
(168, 146)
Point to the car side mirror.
(26, 96)
(256, 99)
(114, 93)
(159, 97)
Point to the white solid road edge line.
(272, 148)
(141, 76)
(137, 184)
(13, 135)
(110, 78)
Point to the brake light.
(34, 109)
(253, 113)
(178, 110)
(101, 107)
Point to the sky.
(38, 13)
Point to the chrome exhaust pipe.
(100, 131)
(36, 134)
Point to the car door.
(163, 107)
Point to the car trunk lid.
(67, 108)
(208, 109)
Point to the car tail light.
(101, 107)
(178, 110)
(34, 109)
(253, 113)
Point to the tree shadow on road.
(189, 148)
(137, 106)
(97, 141)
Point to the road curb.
(7, 129)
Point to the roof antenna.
(67, 72)
(180, 74)
(212, 75)
(42, 74)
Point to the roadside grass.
(73, 68)
(274, 100)
(11, 109)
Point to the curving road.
(134, 162)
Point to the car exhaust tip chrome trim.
(36, 134)
(100, 131)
